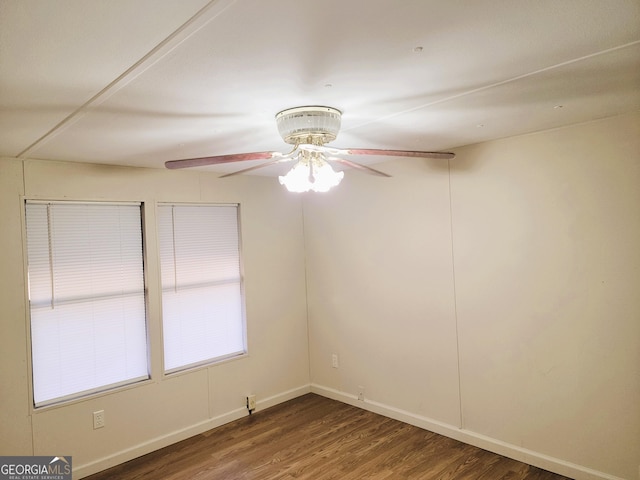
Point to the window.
(86, 298)
(202, 299)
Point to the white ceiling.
(139, 82)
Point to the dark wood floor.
(312, 437)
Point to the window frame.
(223, 358)
(105, 389)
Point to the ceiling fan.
(308, 129)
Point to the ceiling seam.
(455, 301)
(169, 43)
(497, 84)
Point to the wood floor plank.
(312, 437)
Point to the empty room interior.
(431, 209)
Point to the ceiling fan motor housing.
(315, 125)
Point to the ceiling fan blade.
(266, 164)
(398, 153)
(236, 157)
(358, 166)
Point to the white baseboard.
(182, 434)
(561, 467)
(282, 397)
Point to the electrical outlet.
(98, 419)
(251, 403)
(361, 393)
(334, 360)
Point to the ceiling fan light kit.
(311, 174)
(308, 129)
(303, 126)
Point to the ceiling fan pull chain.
(311, 178)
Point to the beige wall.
(163, 410)
(520, 267)
(547, 244)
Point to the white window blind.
(86, 295)
(202, 300)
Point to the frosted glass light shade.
(303, 123)
(314, 176)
